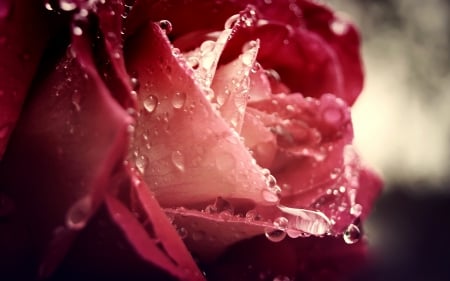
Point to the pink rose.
(176, 141)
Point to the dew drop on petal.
(275, 235)
(182, 232)
(78, 214)
(356, 210)
(166, 26)
(142, 163)
(281, 223)
(77, 31)
(332, 116)
(269, 196)
(352, 234)
(67, 5)
(178, 160)
(231, 21)
(339, 27)
(150, 103)
(178, 100)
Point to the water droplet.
(313, 222)
(77, 31)
(352, 234)
(339, 27)
(334, 173)
(134, 83)
(142, 163)
(356, 210)
(67, 5)
(178, 100)
(281, 223)
(193, 62)
(76, 99)
(78, 214)
(252, 215)
(271, 181)
(207, 46)
(275, 235)
(150, 103)
(231, 21)
(178, 160)
(182, 232)
(166, 26)
(342, 189)
(48, 5)
(270, 196)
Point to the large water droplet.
(78, 214)
(313, 222)
(166, 26)
(178, 100)
(150, 103)
(352, 234)
(275, 235)
(178, 160)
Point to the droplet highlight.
(352, 234)
(150, 103)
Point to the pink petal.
(24, 32)
(187, 153)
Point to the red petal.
(70, 137)
(22, 24)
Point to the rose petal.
(115, 246)
(70, 138)
(213, 162)
(163, 230)
(22, 24)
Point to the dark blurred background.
(402, 129)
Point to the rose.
(81, 113)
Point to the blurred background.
(402, 129)
(402, 119)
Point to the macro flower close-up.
(180, 140)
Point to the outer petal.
(22, 24)
(69, 140)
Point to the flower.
(219, 123)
